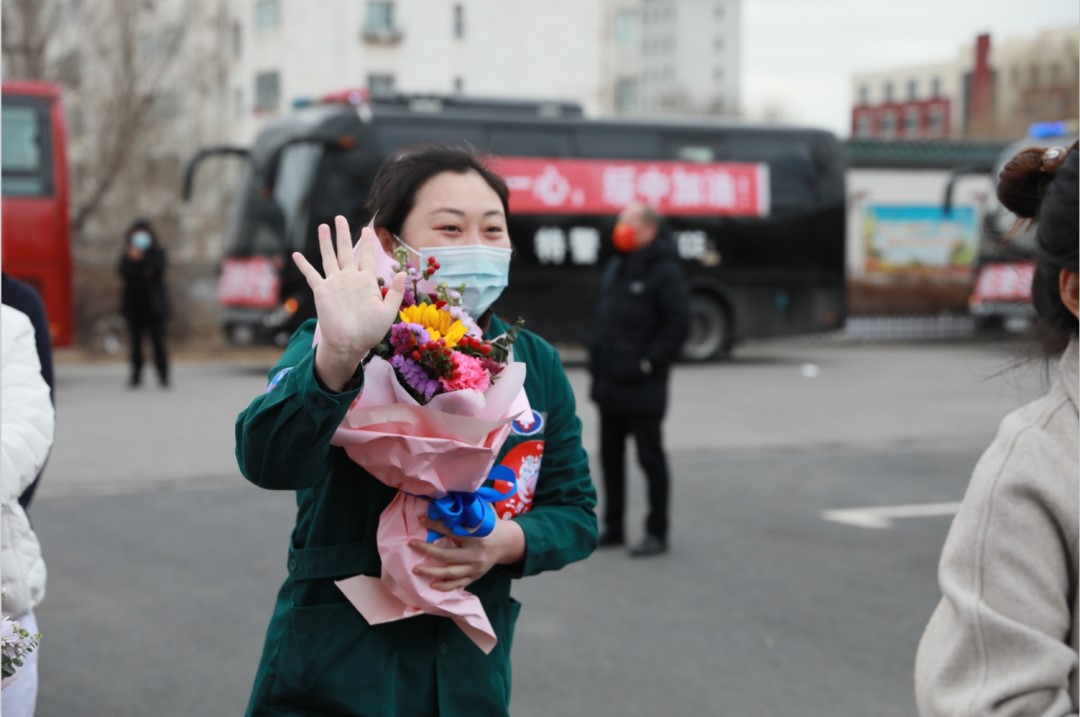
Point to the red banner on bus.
(605, 186)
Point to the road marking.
(882, 517)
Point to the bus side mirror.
(193, 165)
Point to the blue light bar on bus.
(1040, 130)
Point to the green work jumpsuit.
(321, 657)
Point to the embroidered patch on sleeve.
(278, 378)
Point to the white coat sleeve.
(27, 413)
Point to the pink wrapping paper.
(447, 445)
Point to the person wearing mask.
(145, 302)
(321, 657)
(26, 435)
(1003, 640)
(24, 297)
(641, 320)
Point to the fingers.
(310, 273)
(396, 292)
(450, 577)
(326, 248)
(367, 249)
(344, 243)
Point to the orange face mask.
(624, 237)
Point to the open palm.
(353, 314)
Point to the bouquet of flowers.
(436, 347)
(436, 407)
(15, 644)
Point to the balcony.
(380, 34)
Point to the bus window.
(294, 178)
(394, 135)
(618, 143)
(696, 154)
(26, 153)
(530, 142)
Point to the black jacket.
(642, 315)
(144, 297)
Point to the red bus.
(36, 237)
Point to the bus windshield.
(268, 221)
(27, 156)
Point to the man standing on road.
(641, 321)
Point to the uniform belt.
(333, 561)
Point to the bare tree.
(124, 56)
(25, 30)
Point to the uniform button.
(323, 402)
(292, 565)
(443, 648)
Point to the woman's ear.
(386, 239)
(1069, 286)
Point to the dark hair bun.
(1022, 182)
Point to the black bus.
(757, 212)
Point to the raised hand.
(353, 314)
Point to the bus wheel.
(710, 329)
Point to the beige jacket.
(26, 435)
(1003, 640)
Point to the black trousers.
(155, 328)
(614, 430)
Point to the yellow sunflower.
(438, 322)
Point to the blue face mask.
(141, 240)
(484, 270)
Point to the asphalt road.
(163, 562)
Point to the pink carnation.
(468, 373)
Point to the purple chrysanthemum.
(415, 376)
(405, 336)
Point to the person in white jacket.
(26, 434)
(1003, 640)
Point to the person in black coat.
(24, 297)
(641, 321)
(145, 305)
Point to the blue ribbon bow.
(471, 515)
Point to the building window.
(626, 95)
(888, 92)
(864, 95)
(380, 18)
(888, 124)
(718, 73)
(912, 89)
(238, 102)
(718, 43)
(935, 87)
(720, 11)
(237, 40)
(380, 83)
(863, 125)
(626, 29)
(267, 91)
(459, 21)
(266, 14)
(936, 126)
(1034, 75)
(1055, 73)
(459, 85)
(911, 121)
